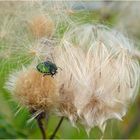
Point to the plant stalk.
(42, 129)
(57, 128)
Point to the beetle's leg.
(52, 75)
(44, 75)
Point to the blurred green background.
(14, 125)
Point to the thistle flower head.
(41, 26)
(99, 75)
(33, 90)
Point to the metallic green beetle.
(47, 67)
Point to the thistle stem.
(39, 122)
(40, 125)
(57, 128)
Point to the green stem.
(42, 129)
(57, 128)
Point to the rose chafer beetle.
(47, 68)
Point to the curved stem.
(57, 128)
(40, 124)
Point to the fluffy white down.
(98, 69)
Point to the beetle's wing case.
(38, 67)
(50, 65)
(42, 68)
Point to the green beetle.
(47, 67)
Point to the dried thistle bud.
(41, 26)
(32, 90)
